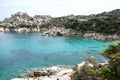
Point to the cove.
(20, 52)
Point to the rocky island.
(104, 26)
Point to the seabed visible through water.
(22, 51)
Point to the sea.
(20, 52)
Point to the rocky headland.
(22, 22)
(100, 27)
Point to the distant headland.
(103, 26)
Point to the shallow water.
(22, 51)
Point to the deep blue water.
(22, 51)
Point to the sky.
(56, 8)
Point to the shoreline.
(54, 72)
(58, 31)
(49, 73)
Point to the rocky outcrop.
(99, 36)
(58, 31)
(23, 22)
(55, 72)
(64, 72)
(1, 29)
(51, 73)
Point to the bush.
(111, 50)
(110, 71)
(44, 25)
(114, 64)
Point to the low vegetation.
(105, 23)
(110, 71)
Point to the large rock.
(57, 31)
(2, 29)
(51, 73)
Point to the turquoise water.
(22, 51)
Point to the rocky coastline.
(55, 72)
(22, 22)
(51, 73)
(57, 31)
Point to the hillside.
(106, 23)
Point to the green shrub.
(114, 64)
(44, 25)
(110, 71)
(111, 50)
